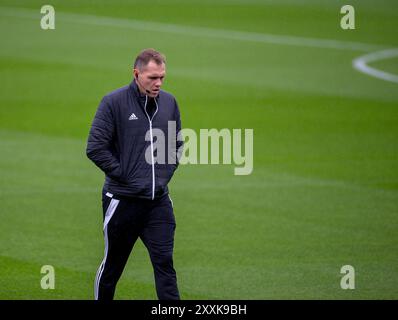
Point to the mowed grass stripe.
(197, 31)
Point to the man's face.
(150, 78)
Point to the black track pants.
(126, 219)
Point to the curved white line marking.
(361, 62)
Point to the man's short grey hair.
(148, 55)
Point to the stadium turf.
(324, 189)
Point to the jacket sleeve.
(100, 139)
(180, 142)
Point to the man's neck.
(141, 91)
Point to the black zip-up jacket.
(117, 144)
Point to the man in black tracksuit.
(135, 196)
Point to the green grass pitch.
(324, 189)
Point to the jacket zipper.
(150, 132)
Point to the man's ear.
(135, 73)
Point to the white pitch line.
(361, 64)
(194, 31)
